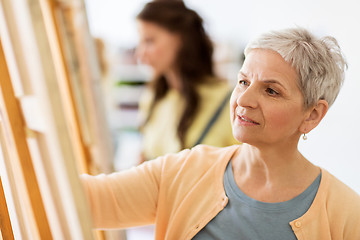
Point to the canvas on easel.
(53, 126)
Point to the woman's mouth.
(245, 119)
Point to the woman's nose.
(248, 98)
(140, 53)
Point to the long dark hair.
(194, 59)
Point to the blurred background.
(333, 145)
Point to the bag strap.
(213, 119)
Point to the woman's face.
(157, 47)
(266, 104)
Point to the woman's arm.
(124, 199)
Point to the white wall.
(335, 143)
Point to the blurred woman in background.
(184, 104)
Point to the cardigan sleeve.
(352, 222)
(124, 199)
(343, 210)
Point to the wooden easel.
(5, 223)
(52, 124)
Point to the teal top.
(247, 218)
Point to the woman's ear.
(314, 116)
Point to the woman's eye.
(243, 82)
(272, 92)
(148, 40)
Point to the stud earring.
(304, 136)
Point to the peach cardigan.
(182, 192)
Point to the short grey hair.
(319, 62)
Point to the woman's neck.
(269, 170)
(173, 78)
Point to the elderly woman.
(262, 189)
